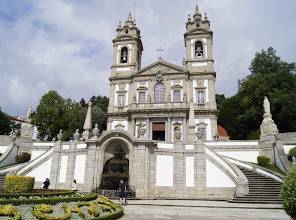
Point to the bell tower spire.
(198, 42)
(127, 48)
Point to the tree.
(51, 114)
(4, 123)
(242, 113)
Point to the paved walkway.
(201, 210)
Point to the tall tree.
(50, 115)
(5, 123)
(270, 76)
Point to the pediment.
(162, 67)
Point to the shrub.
(49, 200)
(10, 210)
(292, 153)
(36, 193)
(22, 158)
(263, 160)
(43, 212)
(18, 184)
(289, 193)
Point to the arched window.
(159, 93)
(199, 51)
(123, 55)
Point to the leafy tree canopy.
(55, 112)
(270, 76)
(4, 123)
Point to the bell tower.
(127, 48)
(198, 43)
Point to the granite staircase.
(2, 177)
(262, 189)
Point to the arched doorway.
(116, 165)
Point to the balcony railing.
(165, 105)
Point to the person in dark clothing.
(122, 192)
(46, 184)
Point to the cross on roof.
(160, 49)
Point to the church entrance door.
(115, 168)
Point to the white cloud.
(67, 45)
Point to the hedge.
(49, 200)
(43, 193)
(289, 193)
(263, 160)
(102, 209)
(292, 152)
(22, 158)
(18, 184)
(11, 211)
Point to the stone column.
(55, 166)
(141, 170)
(169, 130)
(147, 128)
(71, 165)
(179, 172)
(134, 126)
(90, 168)
(200, 168)
(184, 126)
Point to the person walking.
(46, 184)
(74, 185)
(122, 192)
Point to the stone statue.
(177, 132)
(76, 135)
(60, 135)
(266, 105)
(29, 113)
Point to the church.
(162, 135)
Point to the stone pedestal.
(268, 136)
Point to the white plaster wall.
(189, 171)
(44, 144)
(215, 177)
(79, 168)
(42, 171)
(207, 121)
(220, 161)
(66, 147)
(3, 149)
(63, 169)
(36, 153)
(164, 170)
(165, 146)
(81, 146)
(121, 122)
(288, 147)
(189, 147)
(248, 156)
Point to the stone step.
(262, 189)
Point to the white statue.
(29, 113)
(266, 105)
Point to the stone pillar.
(55, 166)
(184, 126)
(71, 164)
(141, 170)
(147, 128)
(169, 130)
(134, 126)
(200, 167)
(179, 172)
(90, 168)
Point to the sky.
(66, 45)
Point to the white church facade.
(162, 135)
